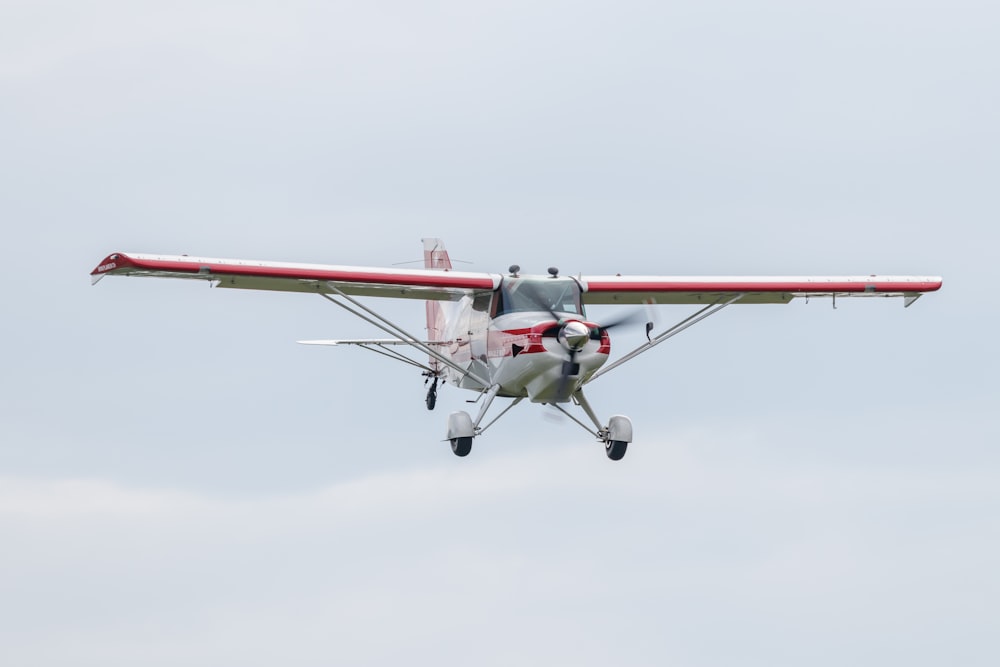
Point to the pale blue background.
(182, 484)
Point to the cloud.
(556, 547)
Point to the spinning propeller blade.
(570, 367)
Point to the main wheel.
(432, 395)
(462, 446)
(614, 448)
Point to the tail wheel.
(462, 446)
(614, 448)
(432, 395)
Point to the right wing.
(425, 284)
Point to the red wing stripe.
(789, 285)
(122, 263)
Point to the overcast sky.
(180, 483)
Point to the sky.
(181, 483)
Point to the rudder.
(435, 257)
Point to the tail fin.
(435, 257)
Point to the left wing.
(426, 284)
(753, 289)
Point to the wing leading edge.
(424, 284)
(755, 289)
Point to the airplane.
(514, 336)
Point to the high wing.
(750, 289)
(445, 284)
(424, 284)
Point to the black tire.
(432, 396)
(615, 449)
(461, 446)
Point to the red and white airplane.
(510, 335)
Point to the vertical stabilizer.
(435, 257)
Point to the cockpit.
(556, 295)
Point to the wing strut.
(708, 310)
(394, 330)
(380, 348)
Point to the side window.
(481, 302)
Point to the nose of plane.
(574, 335)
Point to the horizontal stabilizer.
(370, 341)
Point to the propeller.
(634, 317)
(574, 334)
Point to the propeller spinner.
(572, 334)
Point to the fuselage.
(530, 336)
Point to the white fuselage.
(521, 351)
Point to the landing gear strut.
(462, 429)
(615, 436)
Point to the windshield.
(540, 294)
